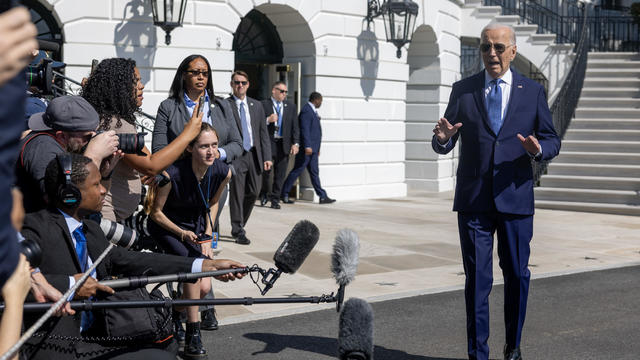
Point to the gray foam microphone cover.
(296, 246)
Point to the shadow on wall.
(135, 37)
(368, 54)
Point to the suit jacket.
(258, 129)
(310, 129)
(290, 125)
(495, 168)
(173, 115)
(59, 261)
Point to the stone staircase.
(598, 169)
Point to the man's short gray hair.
(494, 26)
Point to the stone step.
(507, 19)
(584, 157)
(607, 92)
(618, 209)
(525, 29)
(620, 124)
(612, 83)
(486, 12)
(590, 182)
(602, 134)
(599, 113)
(542, 39)
(613, 73)
(613, 56)
(557, 168)
(601, 146)
(607, 102)
(626, 197)
(593, 64)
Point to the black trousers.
(280, 162)
(244, 190)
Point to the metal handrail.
(564, 107)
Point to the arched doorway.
(46, 24)
(256, 44)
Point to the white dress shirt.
(247, 113)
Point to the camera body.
(32, 252)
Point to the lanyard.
(206, 201)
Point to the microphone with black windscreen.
(344, 261)
(355, 336)
(292, 252)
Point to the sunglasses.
(282, 91)
(500, 48)
(236, 82)
(204, 73)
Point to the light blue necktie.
(494, 105)
(279, 110)
(83, 257)
(246, 137)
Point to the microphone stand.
(87, 305)
(53, 307)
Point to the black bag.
(146, 325)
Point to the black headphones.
(68, 192)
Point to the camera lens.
(131, 143)
(32, 252)
(118, 234)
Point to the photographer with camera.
(68, 125)
(115, 90)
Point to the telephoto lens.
(32, 252)
(118, 234)
(132, 143)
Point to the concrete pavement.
(409, 246)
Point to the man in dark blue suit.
(503, 121)
(311, 136)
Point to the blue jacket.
(310, 130)
(495, 168)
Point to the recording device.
(292, 252)
(130, 143)
(162, 180)
(200, 105)
(203, 238)
(41, 76)
(344, 261)
(118, 234)
(355, 337)
(32, 252)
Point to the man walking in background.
(311, 135)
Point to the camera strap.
(205, 201)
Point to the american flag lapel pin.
(519, 86)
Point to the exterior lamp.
(399, 19)
(168, 14)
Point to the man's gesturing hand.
(444, 130)
(530, 144)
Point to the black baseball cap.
(66, 113)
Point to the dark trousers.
(514, 233)
(243, 191)
(280, 162)
(310, 162)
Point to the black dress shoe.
(263, 200)
(286, 200)
(193, 348)
(275, 205)
(242, 240)
(327, 200)
(513, 354)
(208, 320)
(178, 330)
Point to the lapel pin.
(519, 86)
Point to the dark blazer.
(173, 115)
(49, 229)
(290, 125)
(310, 129)
(258, 129)
(495, 168)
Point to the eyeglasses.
(500, 48)
(204, 73)
(237, 82)
(282, 91)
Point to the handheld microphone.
(344, 261)
(292, 252)
(355, 337)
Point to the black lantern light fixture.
(399, 19)
(168, 14)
